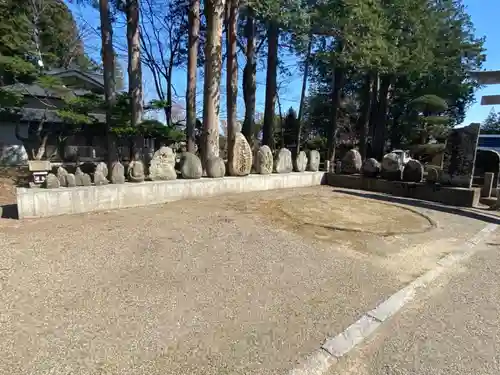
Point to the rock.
(352, 162)
(371, 168)
(52, 182)
(135, 172)
(264, 160)
(163, 165)
(413, 171)
(216, 167)
(82, 179)
(99, 178)
(392, 167)
(241, 164)
(62, 175)
(300, 164)
(314, 160)
(71, 180)
(118, 173)
(283, 161)
(102, 168)
(433, 175)
(190, 166)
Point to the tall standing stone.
(283, 162)
(241, 163)
(352, 162)
(314, 160)
(99, 179)
(71, 180)
(460, 155)
(163, 165)
(300, 164)
(264, 160)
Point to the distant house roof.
(36, 114)
(92, 77)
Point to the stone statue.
(102, 168)
(352, 162)
(71, 180)
(241, 163)
(99, 178)
(300, 164)
(314, 159)
(283, 161)
(190, 166)
(264, 160)
(163, 165)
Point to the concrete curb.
(338, 346)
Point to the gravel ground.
(200, 287)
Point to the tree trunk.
(214, 10)
(364, 118)
(249, 80)
(271, 86)
(134, 69)
(231, 75)
(109, 76)
(338, 82)
(380, 118)
(303, 93)
(168, 109)
(194, 29)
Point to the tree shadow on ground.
(467, 212)
(9, 211)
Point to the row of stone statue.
(393, 167)
(163, 166)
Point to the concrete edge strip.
(336, 347)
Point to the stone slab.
(453, 196)
(34, 203)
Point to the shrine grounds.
(242, 284)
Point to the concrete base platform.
(453, 196)
(33, 203)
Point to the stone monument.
(370, 168)
(300, 164)
(352, 162)
(215, 168)
(135, 171)
(190, 166)
(413, 171)
(264, 160)
(313, 161)
(163, 165)
(283, 162)
(392, 167)
(241, 163)
(460, 155)
(118, 173)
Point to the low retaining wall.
(453, 196)
(33, 203)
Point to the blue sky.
(482, 12)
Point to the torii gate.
(491, 77)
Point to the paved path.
(195, 287)
(452, 329)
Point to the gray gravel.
(192, 287)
